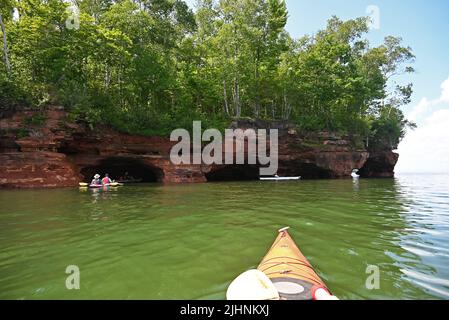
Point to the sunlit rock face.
(37, 169)
(45, 149)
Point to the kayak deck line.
(276, 264)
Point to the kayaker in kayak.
(126, 177)
(96, 180)
(106, 180)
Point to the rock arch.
(117, 166)
(233, 173)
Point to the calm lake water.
(190, 241)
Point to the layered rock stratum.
(56, 152)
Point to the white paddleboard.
(280, 179)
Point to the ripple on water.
(190, 241)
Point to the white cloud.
(426, 149)
(419, 109)
(445, 91)
(425, 105)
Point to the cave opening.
(234, 173)
(305, 170)
(137, 170)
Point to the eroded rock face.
(323, 155)
(380, 165)
(37, 169)
(58, 153)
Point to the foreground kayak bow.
(284, 274)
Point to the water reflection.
(425, 238)
(356, 184)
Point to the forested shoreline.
(147, 67)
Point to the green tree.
(148, 66)
(388, 129)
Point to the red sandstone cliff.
(58, 153)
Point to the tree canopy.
(149, 66)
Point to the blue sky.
(424, 26)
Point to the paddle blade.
(252, 285)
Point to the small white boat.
(277, 178)
(354, 174)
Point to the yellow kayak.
(112, 184)
(283, 274)
(290, 271)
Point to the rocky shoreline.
(46, 150)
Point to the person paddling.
(96, 180)
(106, 180)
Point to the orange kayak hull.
(289, 270)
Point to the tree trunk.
(5, 46)
(257, 76)
(107, 78)
(237, 98)
(236, 75)
(287, 108)
(225, 98)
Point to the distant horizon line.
(408, 172)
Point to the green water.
(190, 241)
